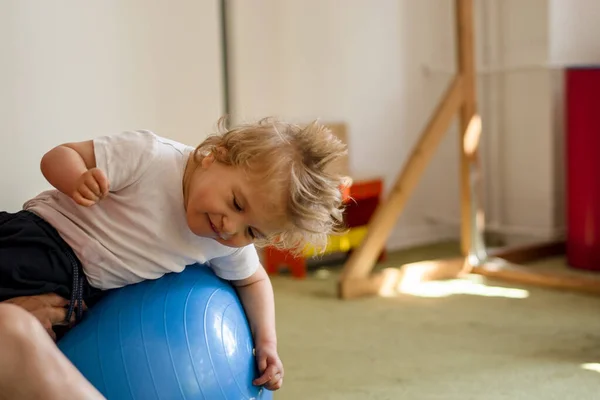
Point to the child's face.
(226, 204)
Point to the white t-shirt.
(139, 231)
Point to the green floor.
(460, 339)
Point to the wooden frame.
(357, 278)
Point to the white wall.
(526, 177)
(359, 63)
(574, 32)
(73, 70)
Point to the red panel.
(583, 167)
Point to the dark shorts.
(35, 260)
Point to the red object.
(360, 212)
(274, 258)
(365, 189)
(583, 167)
(366, 195)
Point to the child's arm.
(71, 168)
(257, 298)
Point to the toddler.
(135, 206)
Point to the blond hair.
(297, 159)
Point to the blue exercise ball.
(183, 336)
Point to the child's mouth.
(222, 236)
(214, 228)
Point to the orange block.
(274, 257)
(363, 189)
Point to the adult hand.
(49, 309)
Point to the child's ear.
(207, 160)
(210, 158)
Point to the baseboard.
(404, 237)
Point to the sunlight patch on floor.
(322, 273)
(470, 285)
(591, 367)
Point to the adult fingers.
(56, 315)
(54, 300)
(51, 333)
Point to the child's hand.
(90, 188)
(269, 366)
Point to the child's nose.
(230, 225)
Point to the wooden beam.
(391, 280)
(466, 69)
(528, 253)
(397, 280)
(368, 286)
(498, 268)
(362, 260)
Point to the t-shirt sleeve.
(240, 264)
(125, 157)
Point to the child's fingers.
(264, 378)
(269, 374)
(261, 380)
(92, 185)
(102, 181)
(79, 199)
(87, 193)
(275, 383)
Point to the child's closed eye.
(238, 208)
(236, 205)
